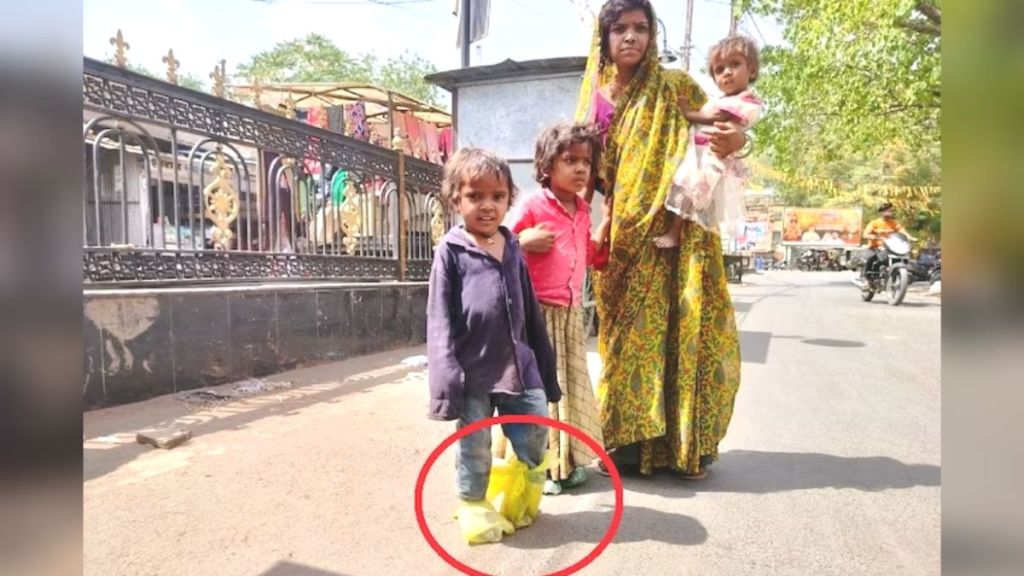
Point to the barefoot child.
(565, 157)
(705, 188)
(486, 342)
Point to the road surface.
(831, 466)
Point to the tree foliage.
(316, 59)
(853, 77)
(191, 82)
(853, 101)
(185, 80)
(899, 173)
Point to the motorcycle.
(832, 260)
(808, 261)
(927, 267)
(892, 274)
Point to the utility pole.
(688, 42)
(733, 17)
(465, 33)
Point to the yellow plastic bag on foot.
(516, 490)
(480, 523)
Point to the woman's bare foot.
(667, 240)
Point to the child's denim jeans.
(473, 455)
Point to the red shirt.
(558, 274)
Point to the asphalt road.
(831, 466)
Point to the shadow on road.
(98, 462)
(833, 343)
(754, 345)
(750, 472)
(639, 524)
(911, 304)
(284, 568)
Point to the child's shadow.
(639, 524)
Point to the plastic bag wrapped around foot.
(480, 523)
(516, 490)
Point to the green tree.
(853, 77)
(316, 59)
(897, 172)
(405, 74)
(192, 82)
(311, 59)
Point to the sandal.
(552, 488)
(576, 477)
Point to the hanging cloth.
(338, 187)
(479, 20)
(336, 119)
(316, 116)
(446, 143)
(355, 122)
(433, 140)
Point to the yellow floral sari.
(668, 334)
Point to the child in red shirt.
(565, 156)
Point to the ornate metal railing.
(183, 186)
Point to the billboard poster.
(757, 234)
(821, 227)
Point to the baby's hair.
(556, 140)
(744, 45)
(471, 163)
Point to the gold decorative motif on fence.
(172, 66)
(221, 200)
(289, 107)
(351, 218)
(120, 48)
(219, 76)
(257, 93)
(437, 227)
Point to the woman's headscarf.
(646, 140)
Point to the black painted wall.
(145, 344)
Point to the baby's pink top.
(745, 109)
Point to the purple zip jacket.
(485, 330)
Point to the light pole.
(688, 41)
(464, 32)
(666, 55)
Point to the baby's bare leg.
(670, 239)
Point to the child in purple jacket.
(487, 344)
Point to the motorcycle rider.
(878, 230)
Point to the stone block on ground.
(165, 440)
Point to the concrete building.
(504, 107)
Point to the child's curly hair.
(737, 43)
(557, 139)
(471, 163)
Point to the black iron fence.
(182, 186)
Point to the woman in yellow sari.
(668, 337)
